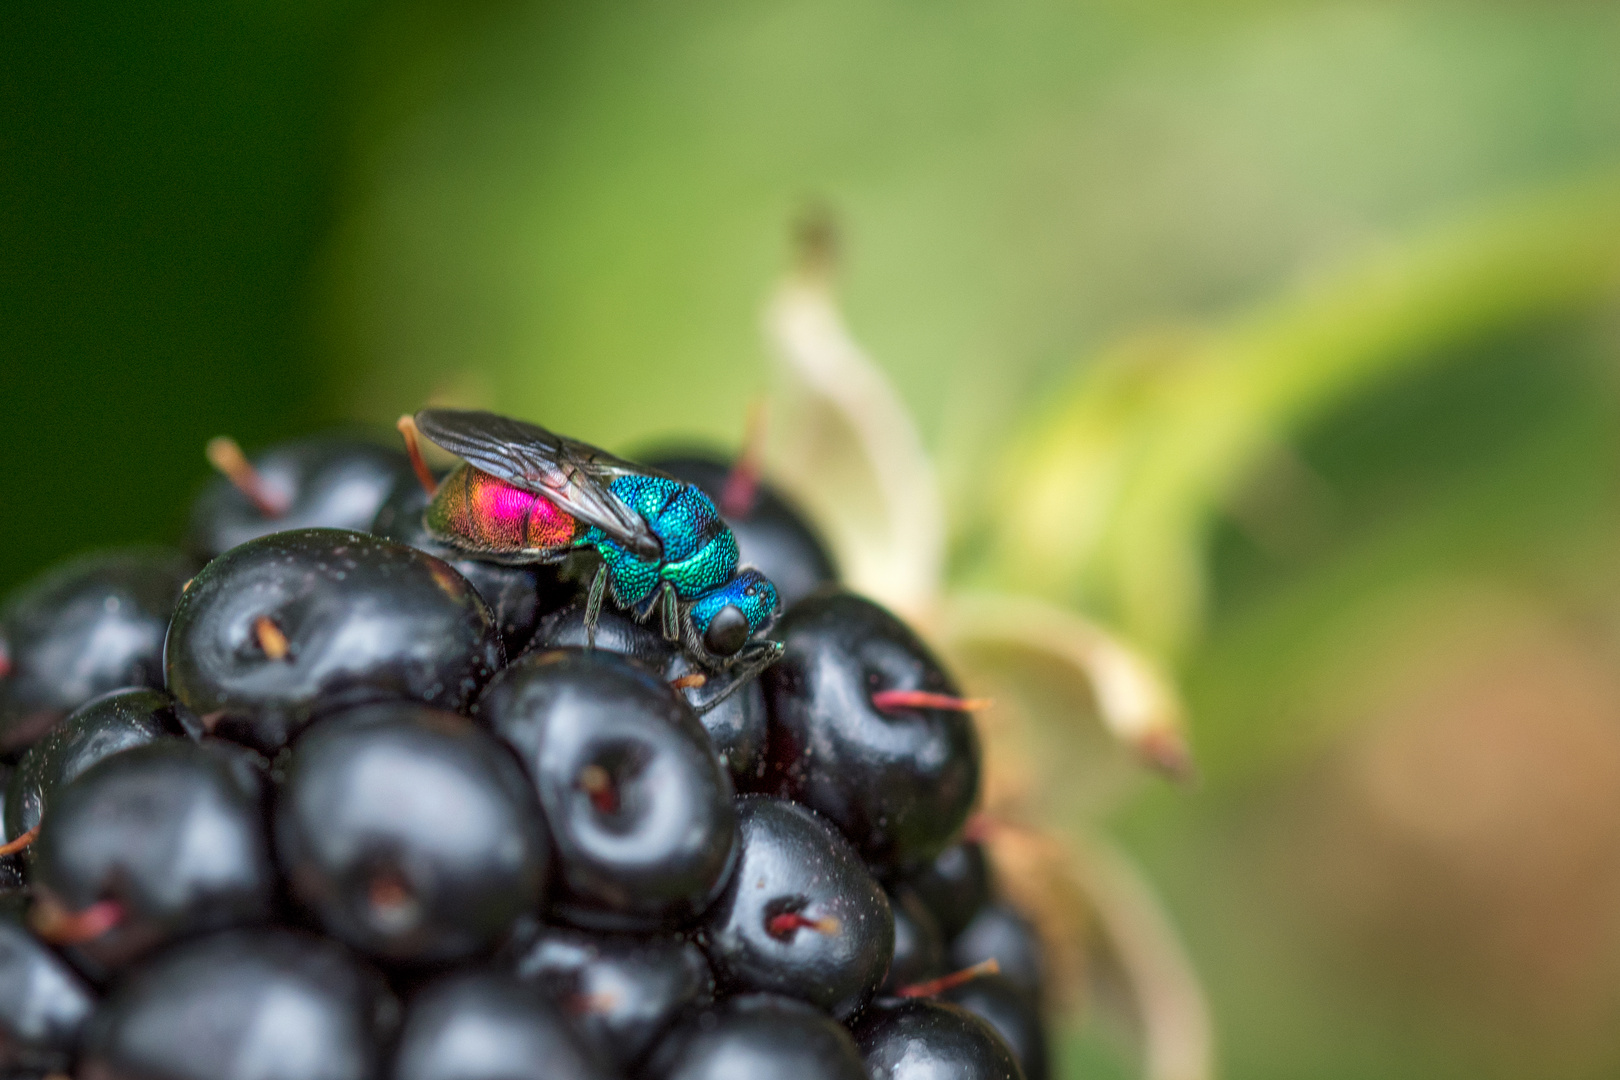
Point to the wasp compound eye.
(727, 631)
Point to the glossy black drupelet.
(955, 884)
(919, 948)
(999, 932)
(486, 1025)
(802, 915)
(736, 725)
(928, 1040)
(899, 783)
(93, 624)
(616, 632)
(518, 596)
(639, 808)
(244, 1005)
(172, 833)
(621, 991)
(773, 536)
(99, 729)
(410, 833)
(325, 482)
(349, 619)
(44, 1005)
(1016, 1017)
(758, 1036)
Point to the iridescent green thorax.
(700, 553)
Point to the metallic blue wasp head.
(727, 617)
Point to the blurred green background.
(1400, 639)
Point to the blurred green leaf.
(1111, 497)
(580, 211)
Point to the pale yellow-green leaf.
(1109, 497)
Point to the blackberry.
(344, 804)
(955, 884)
(1000, 933)
(11, 878)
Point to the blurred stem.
(1110, 495)
(839, 388)
(1177, 1033)
(1139, 962)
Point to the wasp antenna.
(424, 476)
(225, 455)
(934, 987)
(20, 843)
(741, 489)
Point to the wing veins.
(574, 475)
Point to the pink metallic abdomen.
(488, 514)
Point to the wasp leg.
(759, 656)
(593, 605)
(672, 624)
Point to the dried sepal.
(1038, 873)
(846, 446)
(1141, 948)
(1134, 700)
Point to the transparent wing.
(572, 474)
